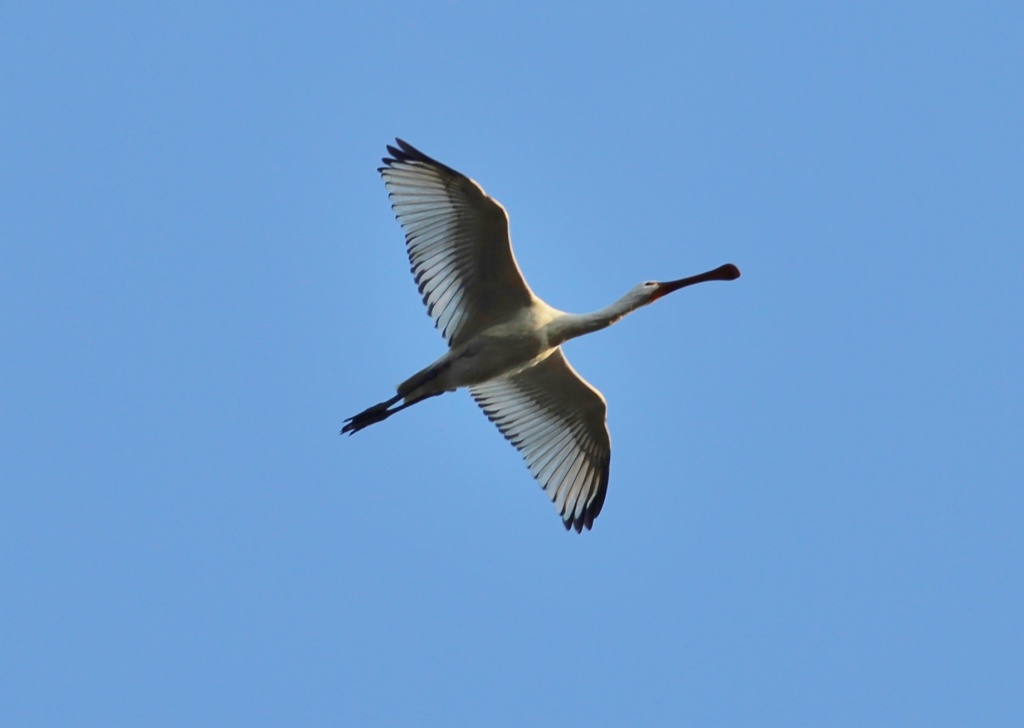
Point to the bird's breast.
(495, 352)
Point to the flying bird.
(504, 343)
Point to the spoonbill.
(505, 343)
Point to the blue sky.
(815, 507)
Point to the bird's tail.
(378, 413)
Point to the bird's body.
(504, 341)
(495, 351)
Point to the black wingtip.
(592, 509)
(406, 153)
(578, 524)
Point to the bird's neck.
(570, 325)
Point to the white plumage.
(504, 342)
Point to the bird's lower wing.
(557, 422)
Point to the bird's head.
(651, 291)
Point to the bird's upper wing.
(557, 422)
(458, 244)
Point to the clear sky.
(816, 509)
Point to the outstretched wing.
(557, 422)
(458, 244)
